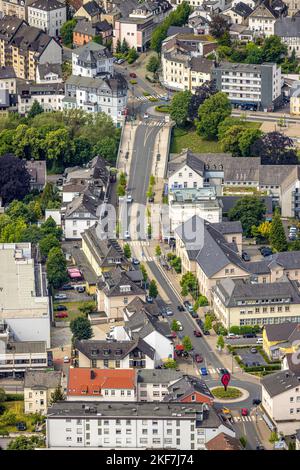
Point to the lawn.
(231, 393)
(17, 408)
(73, 309)
(188, 138)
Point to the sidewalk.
(126, 147)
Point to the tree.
(189, 285)
(187, 343)
(277, 234)
(58, 146)
(127, 250)
(153, 291)
(208, 323)
(153, 64)
(200, 302)
(118, 47)
(243, 441)
(246, 140)
(81, 328)
(199, 96)
(273, 49)
(56, 267)
(14, 179)
(275, 148)
(158, 250)
(57, 395)
(124, 46)
(2, 395)
(35, 109)
(230, 141)
(132, 55)
(225, 39)
(254, 54)
(26, 443)
(179, 107)
(263, 230)
(250, 210)
(144, 273)
(221, 342)
(87, 308)
(218, 26)
(47, 243)
(66, 32)
(171, 364)
(239, 140)
(175, 326)
(107, 148)
(211, 113)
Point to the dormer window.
(126, 288)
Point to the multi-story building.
(48, 15)
(262, 19)
(80, 214)
(38, 389)
(238, 13)
(85, 31)
(239, 302)
(91, 60)
(256, 86)
(49, 96)
(101, 384)
(24, 301)
(135, 354)
(37, 170)
(136, 30)
(138, 425)
(13, 8)
(281, 340)
(8, 79)
(24, 47)
(90, 10)
(288, 29)
(49, 73)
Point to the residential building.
(88, 384)
(38, 389)
(275, 267)
(48, 15)
(49, 73)
(8, 79)
(281, 339)
(262, 19)
(153, 384)
(136, 30)
(115, 290)
(24, 47)
(223, 442)
(293, 7)
(24, 301)
(93, 95)
(85, 31)
(189, 389)
(295, 100)
(281, 400)
(90, 10)
(91, 60)
(288, 29)
(15, 8)
(49, 95)
(130, 425)
(102, 254)
(80, 214)
(136, 354)
(238, 13)
(94, 175)
(38, 174)
(239, 302)
(257, 86)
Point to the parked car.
(80, 289)
(59, 182)
(173, 334)
(180, 308)
(206, 332)
(186, 303)
(135, 261)
(60, 308)
(60, 297)
(197, 333)
(67, 287)
(129, 198)
(203, 371)
(226, 411)
(249, 335)
(245, 256)
(151, 199)
(253, 350)
(21, 426)
(223, 371)
(232, 336)
(169, 312)
(256, 401)
(61, 315)
(244, 411)
(120, 61)
(146, 115)
(132, 75)
(259, 341)
(199, 322)
(179, 325)
(66, 359)
(126, 235)
(149, 299)
(194, 314)
(266, 251)
(198, 358)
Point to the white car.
(66, 359)
(126, 235)
(260, 341)
(129, 198)
(146, 115)
(60, 297)
(179, 325)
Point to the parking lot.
(249, 358)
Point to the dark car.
(67, 287)
(135, 261)
(206, 332)
(197, 333)
(59, 182)
(132, 75)
(223, 371)
(61, 315)
(245, 256)
(256, 401)
(149, 299)
(194, 314)
(151, 199)
(21, 426)
(198, 358)
(180, 308)
(265, 251)
(60, 308)
(186, 303)
(249, 335)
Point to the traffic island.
(231, 395)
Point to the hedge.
(14, 397)
(162, 109)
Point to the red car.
(197, 333)
(244, 411)
(61, 315)
(173, 334)
(198, 358)
(132, 75)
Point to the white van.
(260, 341)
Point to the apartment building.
(48, 15)
(249, 85)
(130, 425)
(24, 47)
(239, 302)
(281, 400)
(24, 301)
(135, 354)
(79, 215)
(92, 59)
(262, 19)
(85, 384)
(85, 31)
(49, 96)
(13, 8)
(38, 389)
(136, 30)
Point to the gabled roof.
(242, 9)
(161, 376)
(7, 72)
(223, 442)
(185, 386)
(92, 8)
(263, 10)
(287, 27)
(83, 381)
(280, 382)
(105, 251)
(113, 283)
(287, 260)
(91, 52)
(283, 332)
(143, 322)
(45, 69)
(83, 204)
(97, 349)
(47, 5)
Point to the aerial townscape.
(150, 226)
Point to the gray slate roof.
(158, 376)
(185, 386)
(47, 5)
(242, 9)
(113, 281)
(94, 349)
(42, 379)
(287, 260)
(287, 27)
(280, 382)
(283, 332)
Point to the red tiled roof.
(86, 381)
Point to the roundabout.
(232, 395)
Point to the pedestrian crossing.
(245, 419)
(149, 97)
(151, 123)
(143, 256)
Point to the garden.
(232, 393)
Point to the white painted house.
(91, 60)
(48, 15)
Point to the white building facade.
(48, 15)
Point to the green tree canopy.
(127, 250)
(26, 443)
(47, 243)
(56, 267)
(153, 64)
(153, 291)
(35, 109)
(66, 32)
(81, 328)
(187, 343)
(211, 113)
(277, 235)
(189, 285)
(250, 210)
(179, 107)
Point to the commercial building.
(48, 15)
(239, 302)
(249, 85)
(135, 30)
(132, 425)
(24, 301)
(38, 389)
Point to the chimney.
(92, 375)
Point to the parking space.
(242, 341)
(251, 358)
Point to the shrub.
(15, 397)
(152, 99)
(231, 392)
(133, 82)
(162, 109)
